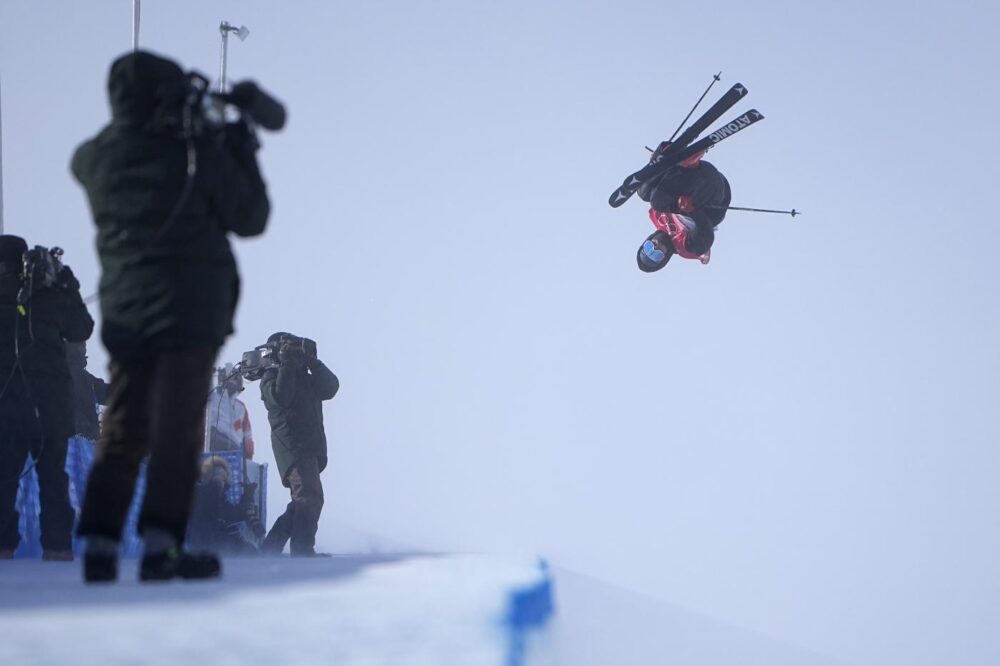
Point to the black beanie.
(12, 248)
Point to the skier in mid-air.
(688, 196)
(687, 203)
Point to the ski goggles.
(654, 254)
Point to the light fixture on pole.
(225, 28)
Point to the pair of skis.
(685, 146)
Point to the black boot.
(100, 560)
(100, 567)
(174, 563)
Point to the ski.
(632, 183)
(726, 102)
(737, 124)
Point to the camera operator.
(165, 188)
(293, 394)
(216, 522)
(42, 309)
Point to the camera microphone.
(263, 109)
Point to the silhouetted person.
(42, 310)
(88, 392)
(169, 288)
(293, 394)
(218, 523)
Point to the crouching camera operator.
(294, 383)
(167, 180)
(215, 521)
(42, 309)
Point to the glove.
(67, 280)
(660, 149)
(685, 205)
(291, 353)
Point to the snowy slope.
(599, 624)
(343, 610)
(355, 610)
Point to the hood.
(12, 249)
(140, 82)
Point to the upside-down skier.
(687, 203)
(688, 196)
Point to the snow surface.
(356, 610)
(341, 610)
(601, 624)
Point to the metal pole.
(714, 79)
(135, 24)
(224, 28)
(791, 212)
(1, 158)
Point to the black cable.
(18, 368)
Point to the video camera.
(201, 110)
(266, 356)
(42, 268)
(44, 265)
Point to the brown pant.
(300, 520)
(156, 406)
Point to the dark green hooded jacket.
(169, 279)
(293, 395)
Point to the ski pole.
(715, 77)
(791, 212)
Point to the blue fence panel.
(79, 458)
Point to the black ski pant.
(300, 520)
(45, 437)
(156, 407)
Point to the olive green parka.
(293, 395)
(169, 280)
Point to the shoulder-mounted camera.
(42, 268)
(191, 109)
(273, 354)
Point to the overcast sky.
(799, 438)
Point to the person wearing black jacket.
(164, 198)
(686, 203)
(36, 408)
(88, 392)
(293, 394)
